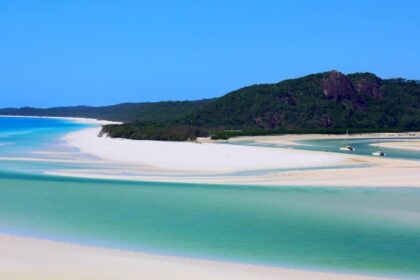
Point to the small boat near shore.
(346, 147)
(379, 153)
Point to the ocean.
(354, 230)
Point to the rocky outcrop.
(368, 84)
(338, 86)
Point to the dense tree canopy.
(329, 102)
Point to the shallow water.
(359, 230)
(20, 136)
(363, 146)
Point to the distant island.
(329, 102)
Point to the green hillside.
(126, 112)
(321, 101)
(329, 102)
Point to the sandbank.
(36, 259)
(222, 163)
(192, 156)
(413, 145)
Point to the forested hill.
(323, 102)
(329, 102)
(126, 112)
(319, 101)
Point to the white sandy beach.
(35, 259)
(405, 145)
(209, 162)
(198, 163)
(193, 157)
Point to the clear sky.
(105, 52)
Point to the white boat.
(379, 153)
(346, 147)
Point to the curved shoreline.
(413, 145)
(195, 163)
(193, 157)
(41, 259)
(73, 119)
(31, 258)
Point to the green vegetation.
(126, 112)
(226, 134)
(154, 131)
(327, 102)
(321, 103)
(301, 104)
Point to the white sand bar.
(189, 156)
(35, 259)
(197, 163)
(404, 145)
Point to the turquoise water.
(363, 230)
(363, 146)
(20, 136)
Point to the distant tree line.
(329, 102)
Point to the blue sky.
(104, 52)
